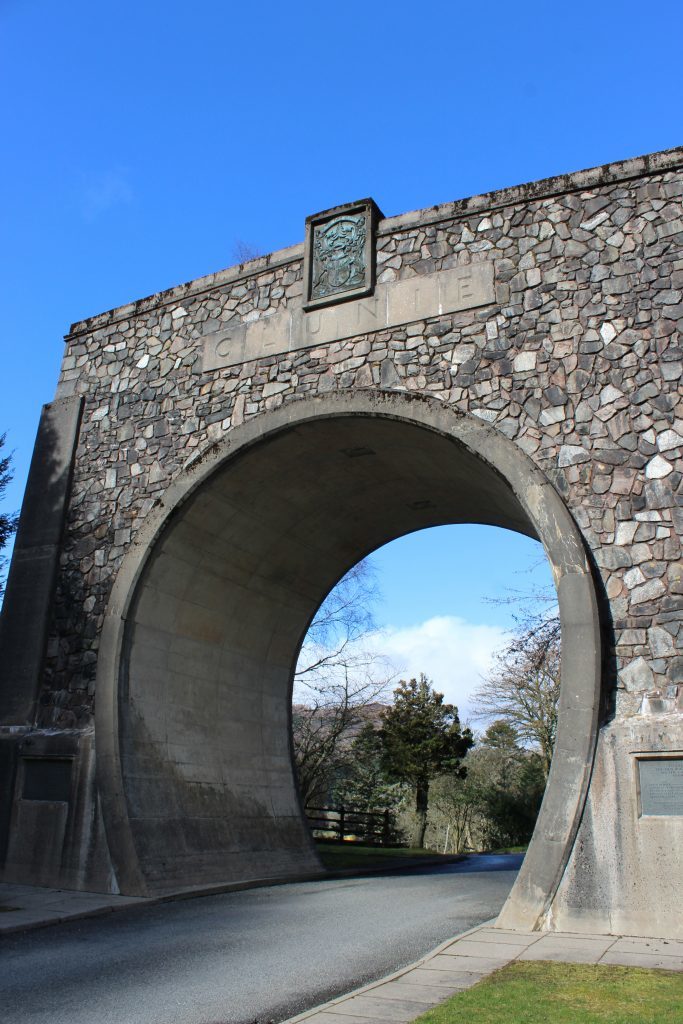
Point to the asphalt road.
(254, 956)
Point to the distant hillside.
(371, 713)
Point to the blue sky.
(145, 141)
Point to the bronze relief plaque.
(339, 259)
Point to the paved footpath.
(462, 962)
(25, 907)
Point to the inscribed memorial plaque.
(661, 786)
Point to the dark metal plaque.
(661, 786)
(339, 263)
(339, 260)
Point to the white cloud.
(453, 653)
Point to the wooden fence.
(345, 824)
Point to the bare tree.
(497, 803)
(523, 687)
(457, 819)
(244, 252)
(338, 675)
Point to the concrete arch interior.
(219, 614)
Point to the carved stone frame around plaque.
(340, 254)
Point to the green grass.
(336, 856)
(555, 993)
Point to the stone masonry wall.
(579, 362)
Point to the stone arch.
(213, 599)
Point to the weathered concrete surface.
(617, 843)
(211, 510)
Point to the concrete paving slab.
(575, 941)
(669, 963)
(400, 989)
(328, 1017)
(395, 1011)
(489, 949)
(19, 919)
(478, 964)
(667, 947)
(565, 955)
(506, 937)
(444, 979)
(41, 896)
(37, 906)
(64, 902)
(492, 928)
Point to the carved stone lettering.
(395, 303)
(227, 346)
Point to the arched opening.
(211, 605)
(472, 609)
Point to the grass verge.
(540, 992)
(337, 856)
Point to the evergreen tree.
(422, 738)
(8, 521)
(364, 786)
